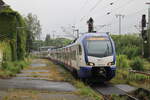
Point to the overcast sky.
(55, 14)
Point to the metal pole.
(148, 28)
(120, 19)
(54, 34)
(120, 25)
(149, 17)
(78, 33)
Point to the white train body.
(91, 56)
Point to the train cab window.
(99, 47)
(80, 50)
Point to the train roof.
(79, 40)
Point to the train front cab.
(105, 73)
(96, 66)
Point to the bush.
(21, 64)
(137, 77)
(9, 66)
(9, 20)
(129, 45)
(131, 51)
(12, 68)
(137, 64)
(122, 61)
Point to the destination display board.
(97, 38)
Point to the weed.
(9, 69)
(122, 61)
(137, 64)
(85, 90)
(125, 77)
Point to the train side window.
(80, 50)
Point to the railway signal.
(146, 34)
(144, 30)
(3, 4)
(90, 23)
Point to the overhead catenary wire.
(94, 7)
(120, 8)
(99, 1)
(127, 14)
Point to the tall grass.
(122, 61)
(9, 69)
(137, 64)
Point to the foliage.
(33, 26)
(12, 42)
(6, 51)
(86, 90)
(137, 77)
(47, 39)
(131, 51)
(14, 37)
(122, 61)
(33, 29)
(137, 64)
(21, 39)
(12, 68)
(37, 44)
(129, 45)
(125, 77)
(119, 97)
(58, 42)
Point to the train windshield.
(99, 47)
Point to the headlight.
(110, 63)
(90, 64)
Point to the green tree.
(129, 45)
(58, 42)
(47, 39)
(34, 30)
(10, 21)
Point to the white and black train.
(90, 56)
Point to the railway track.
(108, 91)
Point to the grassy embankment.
(10, 69)
(129, 52)
(124, 76)
(12, 45)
